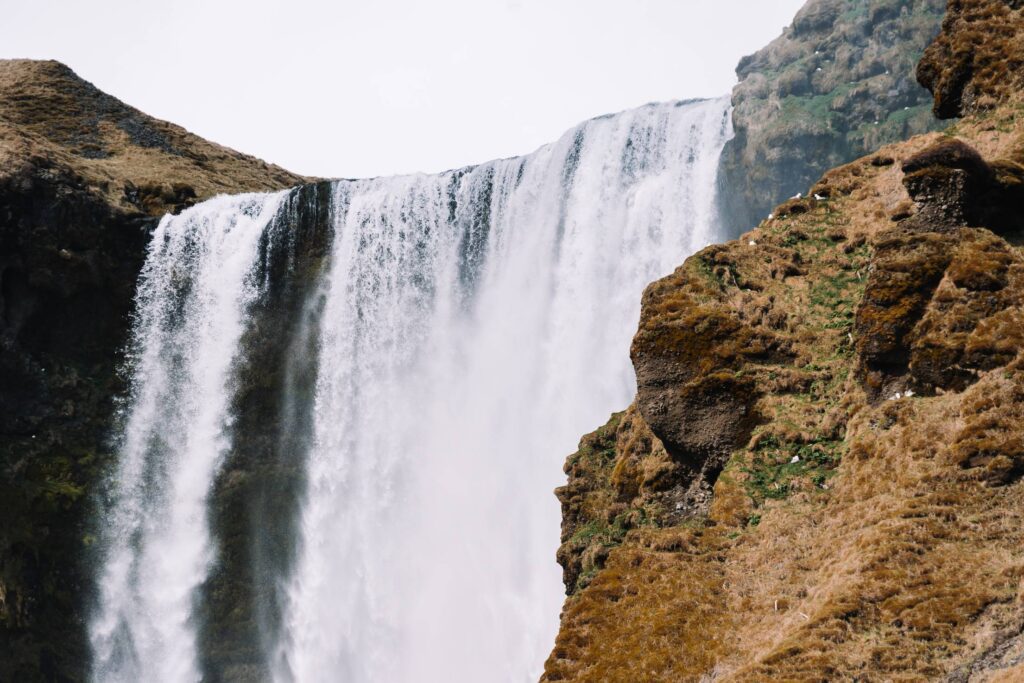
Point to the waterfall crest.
(470, 325)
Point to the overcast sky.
(375, 87)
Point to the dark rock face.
(586, 537)
(954, 186)
(907, 268)
(692, 354)
(68, 263)
(934, 314)
(975, 62)
(837, 84)
(687, 388)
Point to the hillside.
(820, 477)
(51, 117)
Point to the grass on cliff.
(777, 468)
(135, 161)
(884, 552)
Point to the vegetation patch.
(778, 468)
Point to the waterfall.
(470, 326)
(190, 308)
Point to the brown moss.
(652, 612)
(991, 437)
(977, 61)
(131, 160)
(907, 269)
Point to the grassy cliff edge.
(820, 477)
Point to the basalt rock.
(953, 185)
(937, 309)
(254, 499)
(67, 264)
(687, 357)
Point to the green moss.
(772, 472)
(597, 449)
(814, 112)
(599, 531)
(595, 538)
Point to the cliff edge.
(820, 477)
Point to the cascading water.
(190, 314)
(472, 324)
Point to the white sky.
(372, 87)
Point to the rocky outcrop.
(837, 84)
(907, 336)
(975, 64)
(83, 178)
(863, 516)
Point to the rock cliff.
(83, 178)
(837, 84)
(821, 475)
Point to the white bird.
(771, 216)
(796, 458)
(818, 197)
(895, 397)
(908, 393)
(798, 195)
(753, 243)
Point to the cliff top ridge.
(51, 118)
